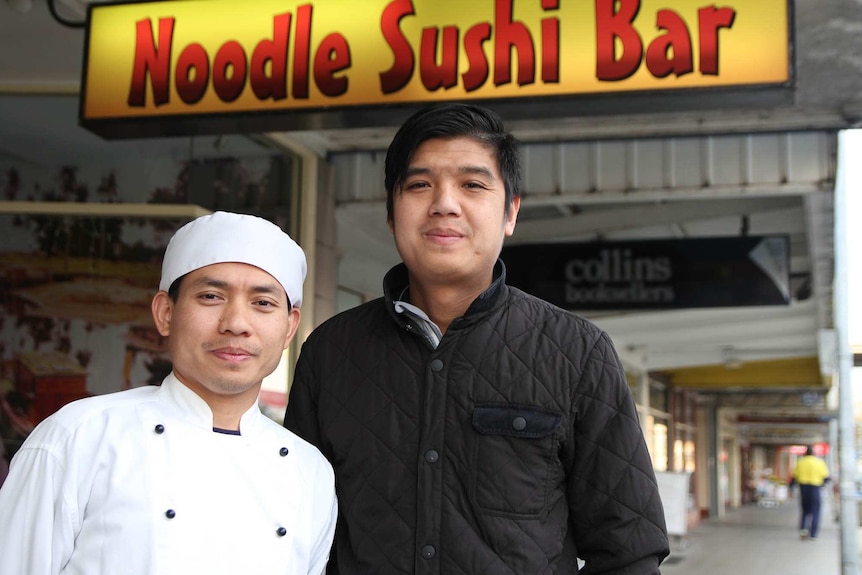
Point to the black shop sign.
(654, 274)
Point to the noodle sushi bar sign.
(221, 65)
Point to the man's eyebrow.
(212, 282)
(266, 288)
(481, 170)
(415, 170)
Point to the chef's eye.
(209, 297)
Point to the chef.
(186, 477)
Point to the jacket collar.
(396, 284)
(185, 404)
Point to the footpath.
(754, 540)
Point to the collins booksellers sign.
(198, 58)
(654, 274)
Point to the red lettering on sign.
(229, 71)
(613, 25)
(439, 50)
(510, 34)
(153, 61)
(401, 71)
(710, 19)
(302, 51)
(669, 53)
(232, 69)
(192, 74)
(275, 53)
(477, 72)
(444, 74)
(333, 55)
(676, 41)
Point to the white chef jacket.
(137, 483)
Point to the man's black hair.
(174, 290)
(449, 121)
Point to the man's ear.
(163, 308)
(293, 324)
(512, 216)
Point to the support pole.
(846, 423)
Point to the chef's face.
(226, 330)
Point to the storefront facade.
(615, 148)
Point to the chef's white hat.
(227, 237)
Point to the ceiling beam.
(639, 215)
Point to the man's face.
(228, 328)
(449, 216)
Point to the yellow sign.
(154, 59)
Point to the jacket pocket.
(514, 457)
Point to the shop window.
(633, 380)
(263, 186)
(660, 443)
(77, 281)
(683, 450)
(658, 396)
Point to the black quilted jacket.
(511, 448)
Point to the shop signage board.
(655, 274)
(182, 65)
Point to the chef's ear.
(292, 325)
(163, 307)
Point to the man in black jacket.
(473, 428)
